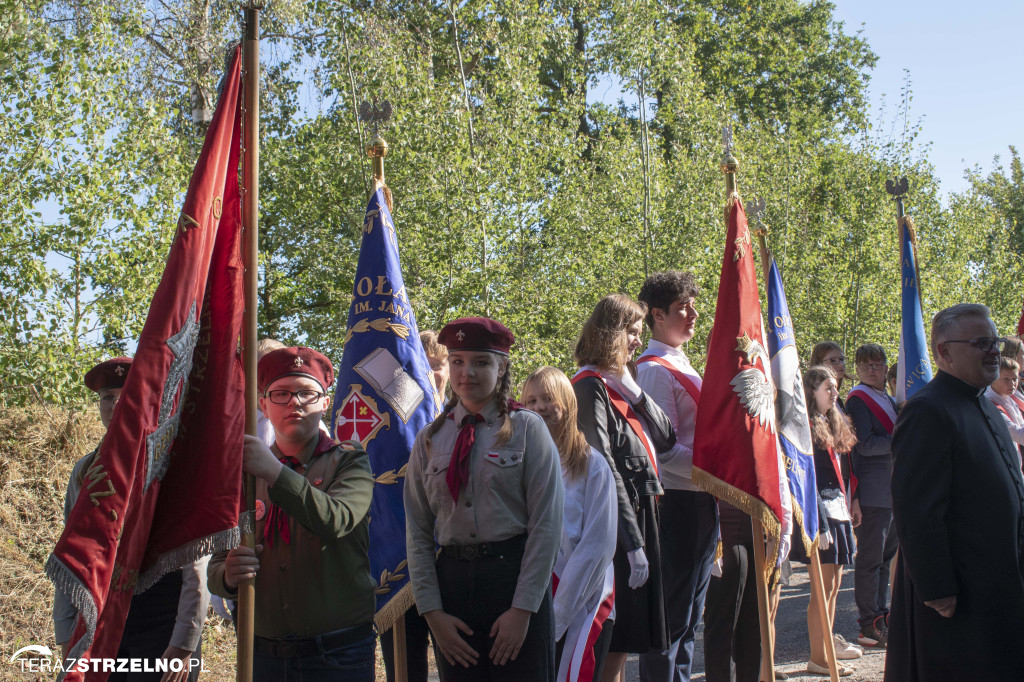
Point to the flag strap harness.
(623, 407)
(686, 382)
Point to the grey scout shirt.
(513, 488)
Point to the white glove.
(639, 569)
(716, 568)
(624, 385)
(784, 547)
(825, 540)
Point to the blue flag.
(791, 412)
(384, 397)
(914, 367)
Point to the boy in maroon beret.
(314, 594)
(166, 621)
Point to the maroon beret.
(297, 361)
(108, 374)
(476, 333)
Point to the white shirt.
(589, 528)
(1012, 415)
(676, 465)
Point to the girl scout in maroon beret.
(484, 480)
(622, 423)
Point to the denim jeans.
(351, 663)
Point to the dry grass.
(38, 448)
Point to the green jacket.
(320, 581)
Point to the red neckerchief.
(278, 521)
(458, 469)
(686, 382)
(623, 407)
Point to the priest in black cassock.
(958, 500)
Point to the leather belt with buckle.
(288, 647)
(485, 549)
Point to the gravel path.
(791, 646)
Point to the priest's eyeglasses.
(282, 397)
(983, 343)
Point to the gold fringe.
(750, 505)
(396, 607)
(729, 201)
(908, 222)
(798, 518)
(388, 198)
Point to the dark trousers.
(689, 534)
(351, 663)
(149, 626)
(732, 631)
(417, 637)
(478, 592)
(601, 645)
(876, 546)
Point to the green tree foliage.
(523, 188)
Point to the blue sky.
(964, 60)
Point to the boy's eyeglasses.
(872, 366)
(282, 397)
(983, 343)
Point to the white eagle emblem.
(753, 387)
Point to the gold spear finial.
(377, 117)
(729, 164)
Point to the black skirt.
(640, 621)
(840, 552)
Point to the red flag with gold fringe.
(1020, 323)
(735, 447)
(164, 489)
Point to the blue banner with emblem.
(384, 396)
(914, 367)
(793, 424)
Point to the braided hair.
(504, 405)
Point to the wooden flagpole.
(729, 166)
(377, 150)
(245, 618)
(817, 581)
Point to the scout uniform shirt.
(319, 581)
(513, 488)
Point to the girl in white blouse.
(584, 578)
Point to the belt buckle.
(470, 552)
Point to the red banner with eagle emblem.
(164, 488)
(735, 447)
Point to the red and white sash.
(686, 381)
(873, 402)
(623, 407)
(578, 661)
